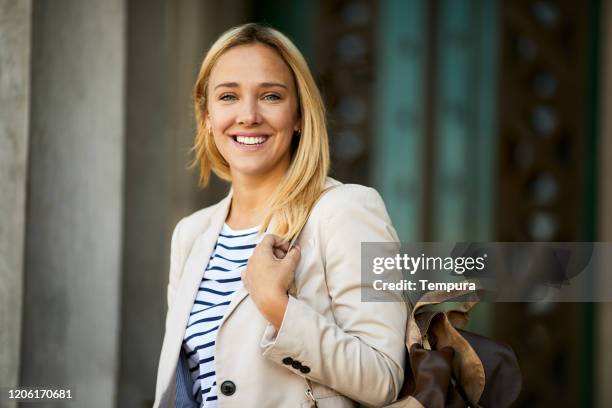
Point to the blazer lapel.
(194, 266)
(236, 299)
(193, 270)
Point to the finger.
(284, 246)
(293, 257)
(279, 253)
(268, 243)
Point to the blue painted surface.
(465, 126)
(399, 128)
(465, 116)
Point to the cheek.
(219, 122)
(219, 138)
(284, 120)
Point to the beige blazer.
(352, 352)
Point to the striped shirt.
(220, 280)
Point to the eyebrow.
(263, 84)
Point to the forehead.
(252, 62)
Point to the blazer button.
(305, 369)
(287, 361)
(296, 364)
(228, 388)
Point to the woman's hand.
(268, 276)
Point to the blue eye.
(226, 97)
(272, 97)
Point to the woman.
(253, 322)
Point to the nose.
(249, 113)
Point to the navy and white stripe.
(220, 280)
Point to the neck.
(249, 199)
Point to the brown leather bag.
(450, 367)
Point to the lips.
(249, 142)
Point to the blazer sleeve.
(360, 354)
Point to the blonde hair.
(304, 180)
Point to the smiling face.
(253, 111)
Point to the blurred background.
(482, 120)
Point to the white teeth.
(250, 140)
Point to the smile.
(250, 143)
(250, 140)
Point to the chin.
(252, 169)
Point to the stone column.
(147, 200)
(75, 198)
(15, 28)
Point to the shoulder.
(202, 215)
(352, 211)
(340, 199)
(348, 214)
(192, 225)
